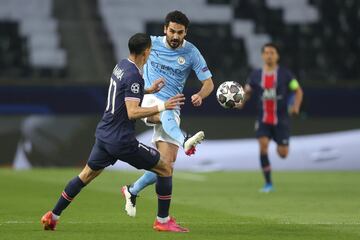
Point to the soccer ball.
(229, 93)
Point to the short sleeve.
(199, 65)
(134, 87)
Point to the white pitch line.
(189, 176)
(17, 222)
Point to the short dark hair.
(272, 45)
(177, 17)
(138, 43)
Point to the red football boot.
(48, 222)
(169, 226)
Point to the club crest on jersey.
(181, 60)
(135, 88)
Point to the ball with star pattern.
(229, 94)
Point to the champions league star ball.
(229, 93)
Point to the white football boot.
(191, 142)
(130, 201)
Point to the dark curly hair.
(272, 45)
(177, 17)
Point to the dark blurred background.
(56, 57)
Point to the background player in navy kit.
(273, 86)
(115, 135)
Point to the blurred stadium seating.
(56, 58)
(33, 26)
(317, 38)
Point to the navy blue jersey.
(272, 91)
(126, 83)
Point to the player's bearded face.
(270, 56)
(175, 34)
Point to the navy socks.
(71, 190)
(164, 190)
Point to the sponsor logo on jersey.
(269, 93)
(165, 69)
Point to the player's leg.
(282, 136)
(170, 122)
(163, 220)
(283, 150)
(169, 153)
(148, 158)
(263, 134)
(72, 189)
(265, 163)
(130, 192)
(98, 160)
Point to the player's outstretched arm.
(248, 91)
(156, 86)
(206, 89)
(135, 111)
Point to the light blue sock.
(170, 126)
(145, 180)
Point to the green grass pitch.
(219, 205)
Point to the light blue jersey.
(174, 65)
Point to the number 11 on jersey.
(111, 92)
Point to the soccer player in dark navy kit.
(115, 134)
(278, 95)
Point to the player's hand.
(157, 85)
(293, 110)
(196, 100)
(175, 102)
(240, 105)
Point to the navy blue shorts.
(136, 154)
(279, 132)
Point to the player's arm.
(295, 86)
(247, 96)
(156, 86)
(135, 111)
(206, 89)
(203, 73)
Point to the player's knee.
(263, 149)
(168, 169)
(164, 168)
(283, 152)
(87, 175)
(85, 178)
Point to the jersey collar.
(135, 65)
(167, 45)
(271, 72)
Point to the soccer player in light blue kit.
(171, 58)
